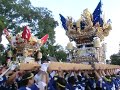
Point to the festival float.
(25, 46)
(88, 32)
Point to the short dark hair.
(72, 80)
(61, 83)
(26, 77)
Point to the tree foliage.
(2, 54)
(61, 55)
(115, 59)
(54, 51)
(15, 13)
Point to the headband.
(29, 77)
(61, 85)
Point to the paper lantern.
(69, 46)
(96, 42)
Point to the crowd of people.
(39, 78)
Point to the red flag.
(26, 33)
(44, 39)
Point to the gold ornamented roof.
(84, 27)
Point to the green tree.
(61, 55)
(2, 53)
(14, 13)
(115, 59)
(54, 51)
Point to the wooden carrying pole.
(55, 66)
(73, 66)
(28, 66)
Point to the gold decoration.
(69, 23)
(87, 18)
(78, 26)
(89, 30)
(86, 14)
(106, 29)
(33, 40)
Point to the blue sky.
(74, 8)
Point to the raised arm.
(97, 74)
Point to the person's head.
(72, 80)
(79, 78)
(89, 71)
(36, 70)
(91, 74)
(60, 83)
(27, 79)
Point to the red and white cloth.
(26, 33)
